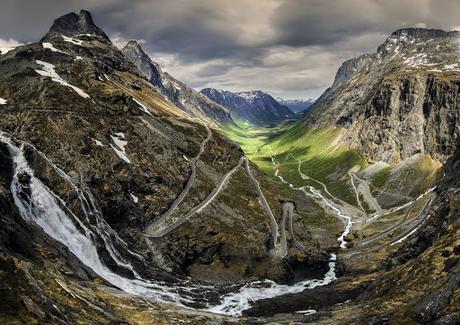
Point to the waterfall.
(91, 211)
(37, 203)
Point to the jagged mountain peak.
(389, 100)
(434, 50)
(73, 24)
(247, 95)
(134, 44)
(134, 51)
(252, 94)
(422, 33)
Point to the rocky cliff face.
(256, 107)
(173, 90)
(77, 25)
(399, 101)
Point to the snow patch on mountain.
(254, 106)
(48, 71)
(72, 40)
(298, 106)
(120, 144)
(50, 47)
(143, 107)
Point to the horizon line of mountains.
(256, 107)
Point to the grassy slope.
(323, 157)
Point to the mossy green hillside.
(322, 156)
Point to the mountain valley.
(128, 197)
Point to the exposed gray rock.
(399, 101)
(77, 25)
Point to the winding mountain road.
(314, 193)
(268, 210)
(399, 224)
(358, 200)
(165, 224)
(150, 229)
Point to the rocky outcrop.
(399, 101)
(77, 25)
(256, 107)
(426, 268)
(181, 95)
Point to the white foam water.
(44, 208)
(347, 219)
(235, 303)
(90, 210)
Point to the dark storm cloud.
(317, 22)
(181, 27)
(290, 48)
(29, 20)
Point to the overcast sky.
(289, 48)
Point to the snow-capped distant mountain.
(256, 107)
(296, 105)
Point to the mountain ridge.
(381, 85)
(175, 91)
(254, 106)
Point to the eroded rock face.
(426, 268)
(399, 101)
(73, 25)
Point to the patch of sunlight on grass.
(320, 150)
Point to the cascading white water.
(90, 209)
(317, 194)
(347, 219)
(37, 203)
(43, 207)
(235, 303)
